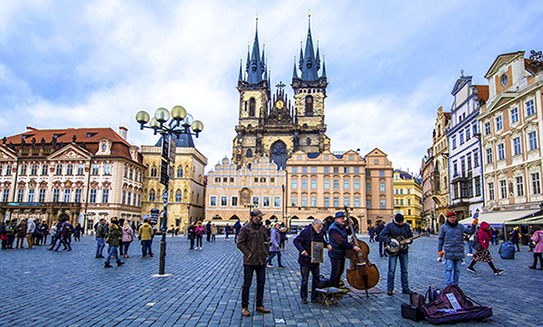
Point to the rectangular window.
(356, 184)
(326, 184)
(304, 169)
(499, 123)
(478, 186)
(304, 183)
(313, 201)
(294, 201)
(336, 201)
(356, 170)
(381, 173)
(129, 198)
(277, 201)
(58, 170)
(347, 201)
(107, 169)
(347, 184)
(304, 201)
(475, 159)
(92, 196)
(224, 200)
(503, 189)
(77, 198)
(5, 197)
(383, 204)
(336, 170)
(488, 156)
(368, 187)
(56, 194)
(461, 137)
(234, 201)
(213, 201)
(294, 169)
(256, 200)
(345, 170)
(368, 203)
(266, 201)
(536, 186)
(80, 169)
(382, 187)
(514, 115)
(474, 128)
(520, 185)
(532, 139)
(313, 170)
(41, 195)
(470, 189)
(516, 146)
(336, 183)
(124, 197)
(454, 142)
(33, 170)
(326, 201)
(530, 108)
(501, 152)
(94, 170)
(67, 193)
(468, 158)
(487, 128)
(294, 184)
(23, 170)
(357, 202)
(31, 195)
(8, 170)
(326, 170)
(455, 168)
(20, 194)
(70, 169)
(468, 134)
(314, 183)
(368, 173)
(491, 191)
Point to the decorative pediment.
(104, 147)
(134, 150)
(460, 84)
(70, 152)
(7, 153)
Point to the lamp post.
(250, 206)
(180, 123)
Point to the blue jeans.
(452, 271)
(112, 252)
(146, 246)
(392, 261)
(272, 255)
(470, 247)
(100, 244)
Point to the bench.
(330, 295)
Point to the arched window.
(185, 195)
(179, 172)
(249, 153)
(279, 154)
(187, 171)
(153, 171)
(252, 107)
(309, 105)
(152, 196)
(178, 196)
(308, 141)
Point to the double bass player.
(338, 237)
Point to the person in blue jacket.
(338, 237)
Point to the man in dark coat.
(338, 238)
(393, 230)
(253, 242)
(302, 242)
(378, 231)
(237, 228)
(208, 231)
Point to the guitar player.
(392, 230)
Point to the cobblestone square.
(44, 288)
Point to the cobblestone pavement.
(43, 288)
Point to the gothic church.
(272, 126)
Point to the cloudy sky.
(390, 64)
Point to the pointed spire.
(256, 66)
(310, 65)
(318, 57)
(323, 67)
(301, 61)
(294, 71)
(240, 78)
(248, 57)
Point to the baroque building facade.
(320, 184)
(465, 169)
(273, 126)
(87, 173)
(408, 197)
(186, 194)
(511, 123)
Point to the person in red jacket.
(483, 254)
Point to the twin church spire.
(255, 68)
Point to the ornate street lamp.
(180, 123)
(250, 206)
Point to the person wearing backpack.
(515, 238)
(113, 238)
(507, 250)
(451, 246)
(538, 250)
(483, 254)
(10, 229)
(100, 232)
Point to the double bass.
(362, 274)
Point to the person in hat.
(451, 246)
(253, 242)
(392, 230)
(338, 236)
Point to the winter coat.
(213, 230)
(191, 232)
(338, 249)
(11, 229)
(393, 230)
(452, 240)
(253, 242)
(378, 231)
(515, 236)
(237, 227)
(30, 226)
(146, 232)
(100, 231)
(227, 230)
(115, 234)
(538, 239)
(275, 238)
(507, 250)
(303, 242)
(200, 230)
(484, 235)
(128, 234)
(21, 229)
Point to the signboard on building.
(154, 216)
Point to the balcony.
(462, 177)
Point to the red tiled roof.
(482, 92)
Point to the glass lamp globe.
(178, 113)
(142, 117)
(162, 115)
(197, 126)
(154, 123)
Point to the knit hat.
(398, 218)
(452, 213)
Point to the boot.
(107, 265)
(119, 263)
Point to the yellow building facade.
(408, 198)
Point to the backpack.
(507, 250)
(476, 244)
(107, 238)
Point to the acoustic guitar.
(397, 244)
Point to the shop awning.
(499, 218)
(526, 221)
